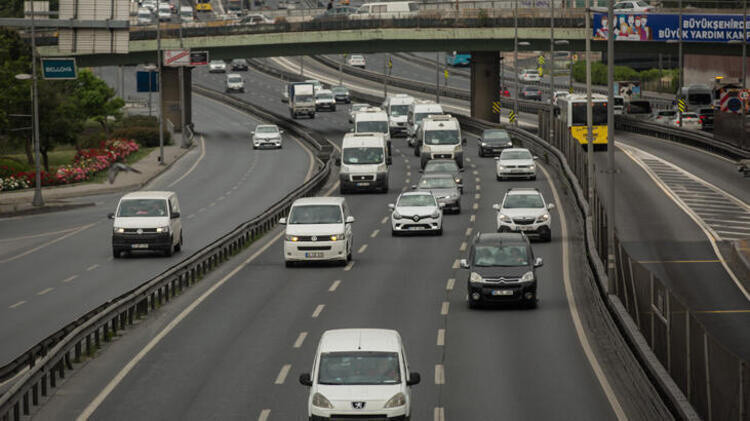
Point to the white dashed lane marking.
(439, 374)
(441, 337)
(318, 310)
(300, 339)
(334, 285)
(444, 308)
(281, 378)
(449, 285)
(264, 415)
(68, 279)
(44, 291)
(92, 267)
(374, 233)
(18, 304)
(362, 249)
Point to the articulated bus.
(573, 114)
(457, 59)
(203, 5)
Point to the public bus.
(203, 5)
(573, 115)
(457, 59)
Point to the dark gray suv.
(502, 270)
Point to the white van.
(397, 108)
(417, 111)
(318, 228)
(440, 138)
(371, 120)
(147, 220)
(186, 14)
(145, 17)
(364, 162)
(360, 373)
(391, 9)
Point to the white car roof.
(401, 99)
(233, 75)
(371, 115)
(266, 125)
(148, 195)
(319, 201)
(444, 121)
(365, 340)
(431, 107)
(362, 139)
(516, 150)
(517, 190)
(325, 91)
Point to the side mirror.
(538, 262)
(305, 380)
(388, 161)
(282, 221)
(281, 132)
(460, 170)
(464, 263)
(550, 206)
(175, 215)
(391, 206)
(535, 157)
(496, 207)
(497, 158)
(338, 162)
(253, 132)
(441, 205)
(414, 379)
(350, 219)
(463, 141)
(414, 186)
(111, 215)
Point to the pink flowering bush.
(86, 163)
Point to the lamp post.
(551, 66)
(611, 146)
(161, 104)
(150, 68)
(552, 83)
(37, 200)
(437, 77)
(589, 112)
(515, 58)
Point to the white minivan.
(364, 163)
(397, 108)
(391, 9)
(318, 228)
(371, 120)
(147, 220)
(417, 111)
(439, 137)
(360, 374)
(186, 14)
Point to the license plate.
(416, 228)
(516, 170)
(314, 254)
(363, 184)
(139, 246)
(503, 292)
(525, 228)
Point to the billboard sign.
(147, 81)
(199, 58)
(665, 27)
(176, 58)
(59, 68)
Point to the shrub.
(145, 136)
(138, 121)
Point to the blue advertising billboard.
(59, 68)
(665, 27)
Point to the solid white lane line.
(282, 374)
(384, 220)
(439, 374)
(44, 291)
(264, 415)
(48, 243)
(348, 267)
(463, 246)
(580, 331)
(195, 164)
(69, 278)
(439, 414)
(444, 308)
(318, 310)
(362, 249)
(300, 339)
(374, 233)
(92, 267)
(441, 337)
(18, 304)
(449, 285)
(334, 285)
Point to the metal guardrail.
(49, 360)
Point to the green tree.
(60, 119)
(96, 100)
(15, 95)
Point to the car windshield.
(523, 201)
(324, 96)
(667, 113)
(496, 136)
(437, 182)
(234, 79)
(530, 89)
(441, 137)
(239, 61)
(144, 14)
(515, 155)
(357, 107)
(420, 116)
(619, 101)
(363, 155)
(417, 200)
(641, 4)
(399, 110)
(303, 98)
(216, 62)
(142, 207)
(340, 90)
(266, 129)
(438, 167)
(372, 126)
(188, 12)
(491, 255)
(315, 214)
(699, 99)
(532, 72)
(360, 367)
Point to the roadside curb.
(47, 208)
(737, 256)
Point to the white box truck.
(301, 99)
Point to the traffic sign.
(681, 105)
(540, 69)
(445, 73)
(59, 68)
(177, 58)
(571, 90)
(496, 107)
(540, 60)
(512, 116)
(390, 63)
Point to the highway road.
(58, 266)
(237, 352)
(656, 231)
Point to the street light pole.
(611, 146)
(552, 68)
(515, 60)
(437, 77)
(161, 88)
(679, 59)
(744, 59)
(37, 200)
(181, 81)
(589, 112)
(385, 75)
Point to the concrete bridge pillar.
(485, 81)
(170, 96)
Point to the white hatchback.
(318, 228)
(267, 135)
(360, 374)
(356, 60)
(515, 163)
(416, 211)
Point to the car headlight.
(399, 399)
(163, 229)
(509, 144)
(337, 237)
(457, 148)
(527, 277)
(321, 402)
(532, 167)
(543, 218)
(291, 238)
(504, 218)
(435, 214)
(396, 215)
(484, 144)
(382, 168)
(119, 230)
(500, 167)
(458, 181)
(476, 278)
(425, 148)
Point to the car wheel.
(439, 231)
(416, 150)
(348, 255)
(178, 247)
(394, 233)
(480, 152)
(289, 263)
(333, 109)
(170, 250)
(531, 304)
(116, 253)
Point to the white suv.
(318, 228)
(515, 163)
(360, 373)
(524, 210)
(416, 211)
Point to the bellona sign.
(59, 68)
